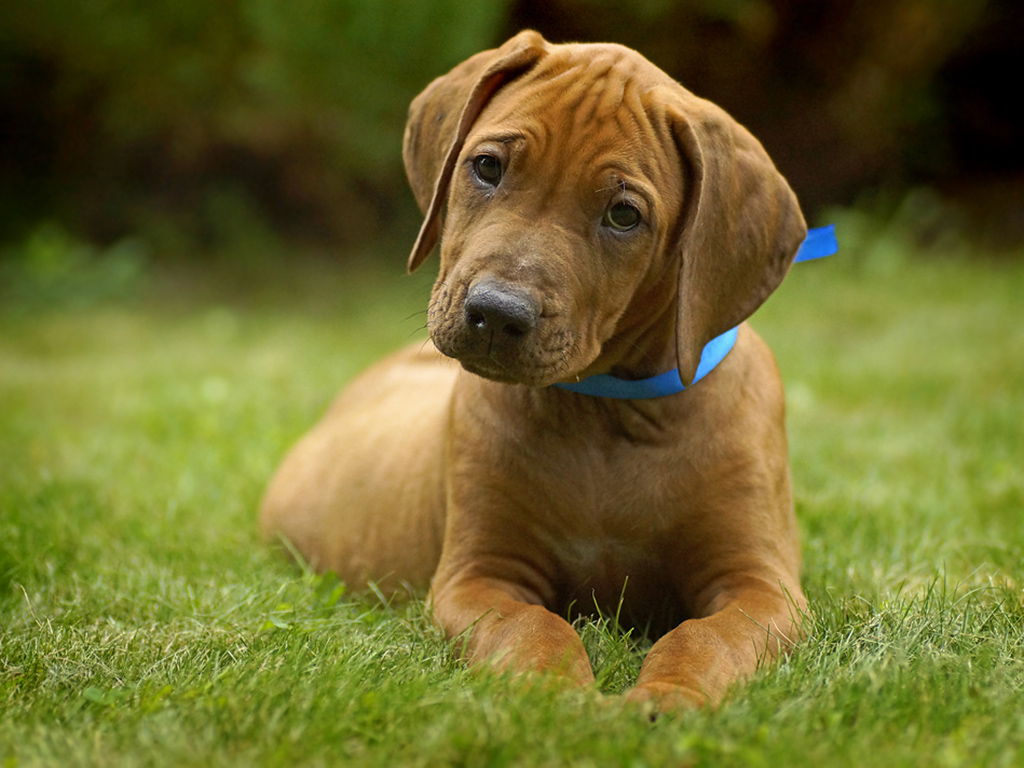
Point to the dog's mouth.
(511, 359)
(490, 369)
(511, 369)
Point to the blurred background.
(136, 133)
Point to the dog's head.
(592, 209)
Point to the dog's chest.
(607, 562)
(622, 544)
(617, 501)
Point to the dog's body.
(600, 219)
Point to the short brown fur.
(514, 500)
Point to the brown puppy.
(599, 219)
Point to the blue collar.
(820, 242)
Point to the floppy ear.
(741, 226)
(441, 117)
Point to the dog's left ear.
(441, 117)
(741, 225)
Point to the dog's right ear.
(440, 119)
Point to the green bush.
(53, 269)
(152, 104)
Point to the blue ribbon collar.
(819, 243)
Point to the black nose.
(494, 308)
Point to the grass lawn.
(142, 622)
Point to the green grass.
(143, 623)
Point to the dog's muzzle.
(497, 332)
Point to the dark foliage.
(204, 127)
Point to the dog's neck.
(819, 242)
(668, 383)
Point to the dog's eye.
(622, 217)
(488, 169)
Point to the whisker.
(407, 318)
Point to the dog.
(600, 228)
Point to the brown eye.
(622, 217)
(488, 169)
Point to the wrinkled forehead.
(584, 103)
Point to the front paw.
(656, 698)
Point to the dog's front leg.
(497, 623)
(695, 663)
